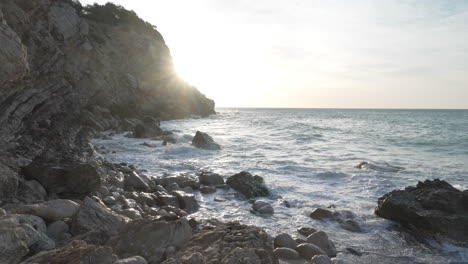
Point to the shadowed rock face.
(433, 207)
(64, 76)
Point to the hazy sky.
(317, 53)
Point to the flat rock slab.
(52, 210)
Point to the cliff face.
(64, 75)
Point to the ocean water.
(308, 157)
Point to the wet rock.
(321, 214)
(168, 200)
(134, 181)
(306, 231)
(132, 260)
(153, 237)
(263, 207)
(52, 210)
(308, 251)
(207, 189)
(8, 180)
(286, 253)
(187, 201)
(75, 178)
(147, 130)
(182, 181)
(285, 240)
(76, 252)
(96, 216)
(248, 185)
(351, 225)
(210, 178)
(131, 213)
(203, 140)
(321, 240)
(321, 259)
(149, 145)
(169, 139)
(432, 207)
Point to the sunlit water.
(307, 157)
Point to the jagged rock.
(321, 259)
(75, 252)
(75, 178)
(285, 240)
(133, 180)
(51, 210)
(187, 201)
(263, 207)
(31, 191)
(321, 240)
(286, 253)
(248, 185)
(64, 20)
(153, 237)
(8, 180)
(432, 207)
(308, 250)
(210, 178)
(96, 216)
(132, 260)
(306, 231)
(203, 140)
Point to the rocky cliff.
(66, 74)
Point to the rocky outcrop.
(204, 141)
(432, 207)
(248, 185)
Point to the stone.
(131, 213)
(132, 260)
(210, 178)
(195, 258)
(204, 141)
(351, 225)
(182, 181)
(321, 259)
(285, 240)
(248, 185)
(321, 240)
(31, 191)
(133, 180)
(207, 189)
(321, 214)
(241, 255)
(34, 221)
(75, 178)
(147, 130)
(433, 207)
(51, 210)
(149, 145)
(39, 240)
(64, 21)
(58, 231)
(306, 231)
(153, 237)
(286, 253)
(168, 200)
(263, 207)
(308, 251)
(187, 201)
(8, 179)
(2, 212)
(96, 216)
(14, 241)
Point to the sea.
(308, 158)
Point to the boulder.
(308, 251)
(204, 141)
(182, 181)
(147, 130)
(74, 178)
(306, 231)
(285, 240)
(8, 181)
(432, 207)
(210, 178)
(132, 260)
(96, 216)
(51, 210)
(286, 253)
(151, 237)
(248, 185)
(321, 214)
(263, 207)
(58, 231)
(168, 200)
(31, 191)
(187, 201)
(134, 181)
(351, 225)
(207, 189)
(14, 241)
(321, 259)
(321, 240)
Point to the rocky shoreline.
(68, 73)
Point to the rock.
(432, 207)
(14, 241)
(187, 201)
(31, 191)
(96, 216)
(306, 231)
(321, 214)
(131, 213)
(168, 200)
(351, 225)
(321, 259)
(52, 210)
(195, 258)
(286, 253)
(210, 178)
(321, 240)
(149, 145)
(75, 252)
(207, 189)
(169, 139)
(34, 221)
(248, 185)
(147, 130)
(132, 260)
(8, 178)
(58, 231)
(75, 178)
(203, 140)
(2, 212)
(285, 240)
(134, 181)
(182, 181)
(308, 251)
(153, 237)
(262, 207)
(64, 21)
(339, 261)
(39, 240)
(239, 255)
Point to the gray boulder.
(210, 178)
(204, 141)
(321, 214)
(207, 189)
(321, 259)
(248, 185)
(132, 260)
(58, 231)
(308, 251)
(306, 231)
(286, 253)
(285, 240)
(8, 180)
(31, 191)
(51, 210)
(321, 240)
(263, 207)
(187, 201)
(134, 181)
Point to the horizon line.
(344, 108)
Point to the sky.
(317, 53)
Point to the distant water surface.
(307, 157)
